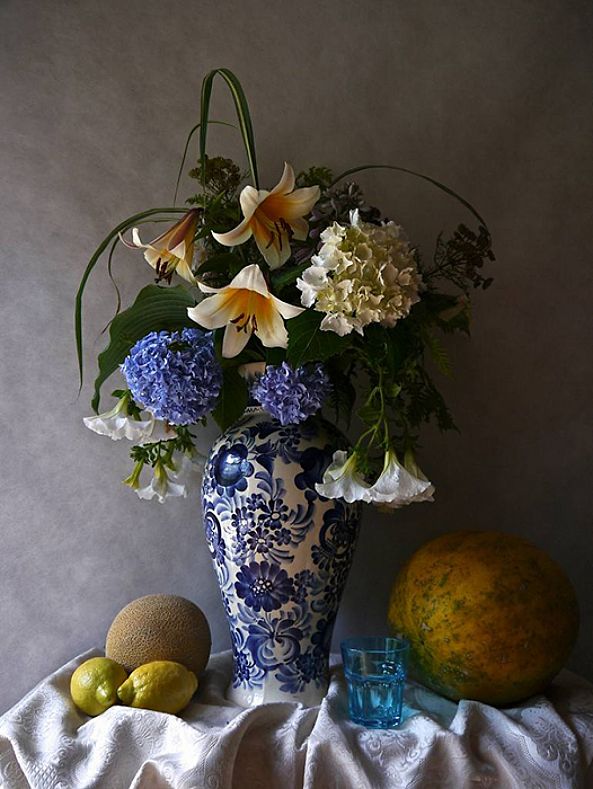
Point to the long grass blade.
(113, 282)
(122, 227)
(436, 183)
(243, 116)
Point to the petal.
(286, 183)
(178, 251)
(184, 230)
(135, 243)
(214, 312)
(300, 228)
(285, 309)
(136, 240)
(151, 255)
(274, 255)
(250, 278)
(148, 493)
(250, 198)
(396, 486)
(184, 271)
(341, 480)
(103, 426)
(236, 236)
(274, 248)
(299, 203)
(161, 431)
(234, 340)
(337, 323)
(270, 326)
(137, 431)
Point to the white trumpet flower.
(399, 485)
(118, 424)
(342, 480)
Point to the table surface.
(46, 743)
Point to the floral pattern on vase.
(281, 553)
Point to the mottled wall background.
(494, 98)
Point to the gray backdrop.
(494, 98)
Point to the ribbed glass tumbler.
(375, 670)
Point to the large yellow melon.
(489, 616)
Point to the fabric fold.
(46, 742)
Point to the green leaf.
(232, 400)
(342, 396)
(438, 353)
(243, 116)
(155, 309)
(370, 412)
(280, 279)
(430, 180)
(307, 343)
(223, 263)
(275, 356)
(122, 227)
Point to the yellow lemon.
(94, 684)
(163, 685)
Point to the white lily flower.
(245, 306)
(399, 484)
(342, 481)
(173, 250)
(118, 424)
(273, 218)
(161, 486)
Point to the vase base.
(270, 693)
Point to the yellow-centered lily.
(173, 250)
(245, 306)
(273, 218)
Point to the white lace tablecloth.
(547, 742)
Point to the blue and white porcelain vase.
(281, 552)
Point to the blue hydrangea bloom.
(290, 395)
(174, 375)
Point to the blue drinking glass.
(375, 670)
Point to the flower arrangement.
(318, 291)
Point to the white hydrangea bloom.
(362, 274)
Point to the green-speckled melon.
(489, 616)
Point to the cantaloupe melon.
(160, 627)
(488, 615)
